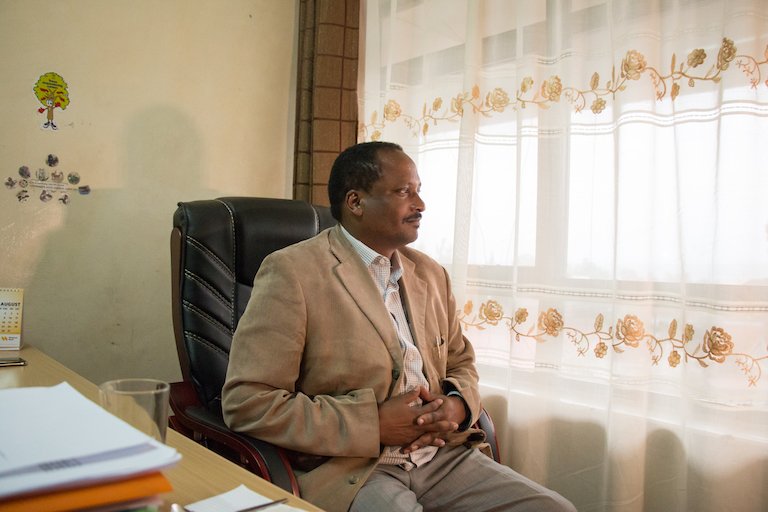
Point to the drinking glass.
(142, 403)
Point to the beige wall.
(170, 100)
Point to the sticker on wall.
(51, 91)
(47, 183)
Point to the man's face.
(391, 211)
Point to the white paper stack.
(54, 438)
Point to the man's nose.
(418, 203)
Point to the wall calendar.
(11, 302)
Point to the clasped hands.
(415, 426)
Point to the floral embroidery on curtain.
(633, 66)
(594, 178)
(716, 345)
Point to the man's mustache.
(415, 216)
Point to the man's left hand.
(452, 410)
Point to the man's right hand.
(398, 421)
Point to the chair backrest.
(217, 246)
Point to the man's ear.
(353, 202)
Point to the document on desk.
(54, 437)
(238, 499)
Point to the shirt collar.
(369, 256)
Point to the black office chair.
(217, 246)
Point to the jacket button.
(353, 480)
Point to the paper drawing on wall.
(51, 183)
(51, 92)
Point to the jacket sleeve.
(460, 371)
(261, 396)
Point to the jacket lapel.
(353, 276)
(414, 291)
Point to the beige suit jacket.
(315, 353)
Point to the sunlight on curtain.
(596, 183)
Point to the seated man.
(350, 355)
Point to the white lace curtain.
(596, 182)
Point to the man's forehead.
(390, 155)
(395, 160)
(397, 176)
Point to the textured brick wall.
(327, 92)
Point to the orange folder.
(90, 496)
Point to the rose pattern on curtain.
(594, 178)
(633, 66)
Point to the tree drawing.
(51, 92)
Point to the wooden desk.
(200, 474)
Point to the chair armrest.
(262, 458)
(485, 423)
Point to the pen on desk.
(263, 505)
(175, 507)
